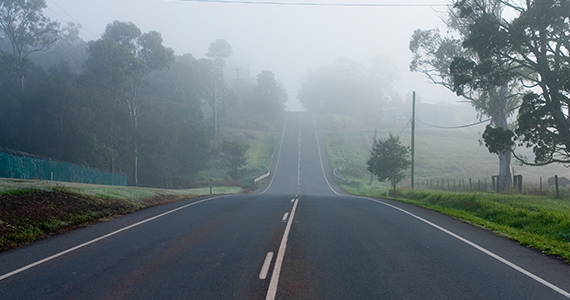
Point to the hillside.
(441, 154)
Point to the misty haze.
(326, 149)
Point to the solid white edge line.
(321, 157)
(278, 156)
(266, 264)
(272, 291)
(285, 217)
(493, 255)
(39, 262)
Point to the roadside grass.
(26, 186)
(540, 222)
(247, 129)
(534, 221)
(31, 210)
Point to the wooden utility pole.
(373, 143)
(237, 70)
(413, 133)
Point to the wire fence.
(555, 185)
(16, 164)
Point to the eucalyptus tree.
(70, 48)
(23, 24)
(446, 60)
(219, 50)
(268, 95)
(176, 142)
(121, 62)
(535, 43)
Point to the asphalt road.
(297, 237)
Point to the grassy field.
(11, 186)
(261, 137)
(540, 222)
(441, 154)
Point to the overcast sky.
(288, 40)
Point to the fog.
(288, 40)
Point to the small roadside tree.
(388, 159)
(233, 157)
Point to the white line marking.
(285, 217)
(299, 161)
(493, 255)
(321, 157)
(39, 262)
(272, 291)
(265, 268)
(278, 156)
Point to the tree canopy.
(349, 87)
(234, 157)
(450, 62)
(533, 46)
(388, 159)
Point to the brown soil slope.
(36, 214)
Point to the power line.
(316, 4)
(94, 36)
(404, 127)
(454, 127)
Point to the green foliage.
(527, 49)
(28, 30)
(125, 104)
(234, 157)
(268, 96)
(388, 159)
(498, 140)
(463, 61)
(220, 49)
(538, 222)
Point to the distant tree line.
(350, 88)
(123, 103)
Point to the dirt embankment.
(33, 215)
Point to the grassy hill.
(441, 154)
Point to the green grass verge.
(536, 221)
(20, 186)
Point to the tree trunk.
(505, 176)
(500, 120)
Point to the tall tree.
(445, 61)
(388, 159)
(220, 50)
(28, 30)
(70, 48)
(349, 87)
(176, 142)
(124, 57)
(534, 44)
(268, 97)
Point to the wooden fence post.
(556, 183)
